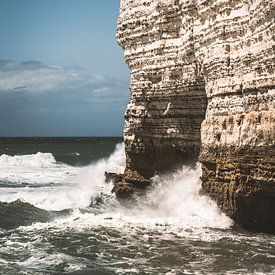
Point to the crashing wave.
(39, 168)
(38, 160)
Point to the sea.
(59, 216)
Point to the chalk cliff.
(203, 86)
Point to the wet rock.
(124, 190)
(241, 181)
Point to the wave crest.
(38, 160)
(173, 199)
(39, 168)
(78, 185)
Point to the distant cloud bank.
(34, 90)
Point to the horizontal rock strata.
(168, 99)
(203, 80)
(235, 43)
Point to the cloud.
(36, 98)
(34, 76)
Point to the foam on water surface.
(39, 168)
(173, 200)
(171, 227)
(73, 186)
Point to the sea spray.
(172, 200)
(78, 185)
(171, 230)
(38, 160)
(39, 168)
(175, 199)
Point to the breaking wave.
(38, 160)
(39, 168)
(75, 225)
(72, 187)
(172, 200)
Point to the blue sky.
(77, 82)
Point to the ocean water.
(58, 216)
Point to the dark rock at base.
(124, 190)
(141, 167)
(242, 182)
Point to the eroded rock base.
(124, 189)
(241, 181)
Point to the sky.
(62, 72)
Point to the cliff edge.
(203, 87)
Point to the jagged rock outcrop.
(203, 80)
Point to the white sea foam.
(173, 200)
(38, 160)
(39, 257)
(39, 168)
(176, 198)
(79, 184)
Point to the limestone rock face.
(203, 80)
(168, 99)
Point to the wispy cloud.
(33, 76)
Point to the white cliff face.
(168, 99)
(203, 79)
(236, 49)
